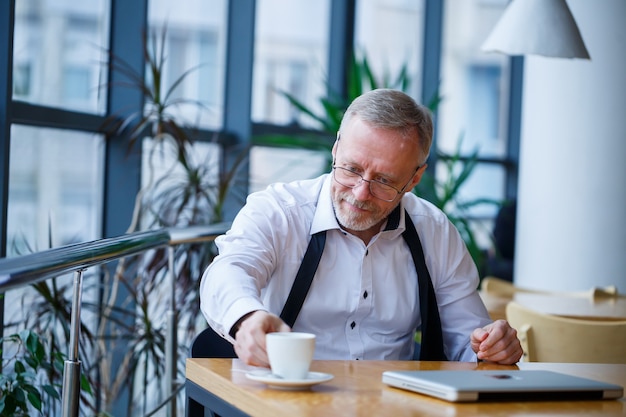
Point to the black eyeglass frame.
(353, 173)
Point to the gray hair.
(392, 109)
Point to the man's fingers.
(249, 350)
(250, 338)
(501, 345)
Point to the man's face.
(375, 154)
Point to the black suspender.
(431, 348)
(303, 280)
(432, 339)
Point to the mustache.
(364, 205)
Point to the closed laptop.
(483, 385)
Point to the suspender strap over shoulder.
(303, 280)
(431, 348)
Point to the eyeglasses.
(380, 190)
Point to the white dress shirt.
(363, 302)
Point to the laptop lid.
(533, 385)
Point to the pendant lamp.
(537, 27)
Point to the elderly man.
(380, 262)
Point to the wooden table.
(576, 306)
(357, 390)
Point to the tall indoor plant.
(189, 192)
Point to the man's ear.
(417, 177)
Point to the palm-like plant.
(444, 193)
(159, 118)
(190, 191)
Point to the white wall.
(571, 226)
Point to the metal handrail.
(29, 269)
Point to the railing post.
(171, 345)
(71, 370)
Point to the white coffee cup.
(290, 353)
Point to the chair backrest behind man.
(208, 344)
(551, 338)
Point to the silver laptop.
(532, 385)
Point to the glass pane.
(182, 195)
(474, 84)
(291, 55)
(487, 181)
(52, 197)
(268, 165)
(59, 48)
(195, 40)
(390, 33)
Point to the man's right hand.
(250, 336)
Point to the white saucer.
(267, 377)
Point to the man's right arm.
(231, 284)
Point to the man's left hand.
(497, 342)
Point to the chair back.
(550, 338)
(501, 288)
(208, 344)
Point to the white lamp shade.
(537, 27)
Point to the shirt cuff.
(236, 311)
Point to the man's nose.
(362, 190)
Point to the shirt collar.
(324, 217)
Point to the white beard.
(358, 221)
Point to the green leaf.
(51, 391)
(31, 361)
(18, 393)
(35, 399)
(19, 367)
(32, 342)
(85, 386)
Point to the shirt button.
(365, 294)
(352, 325)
